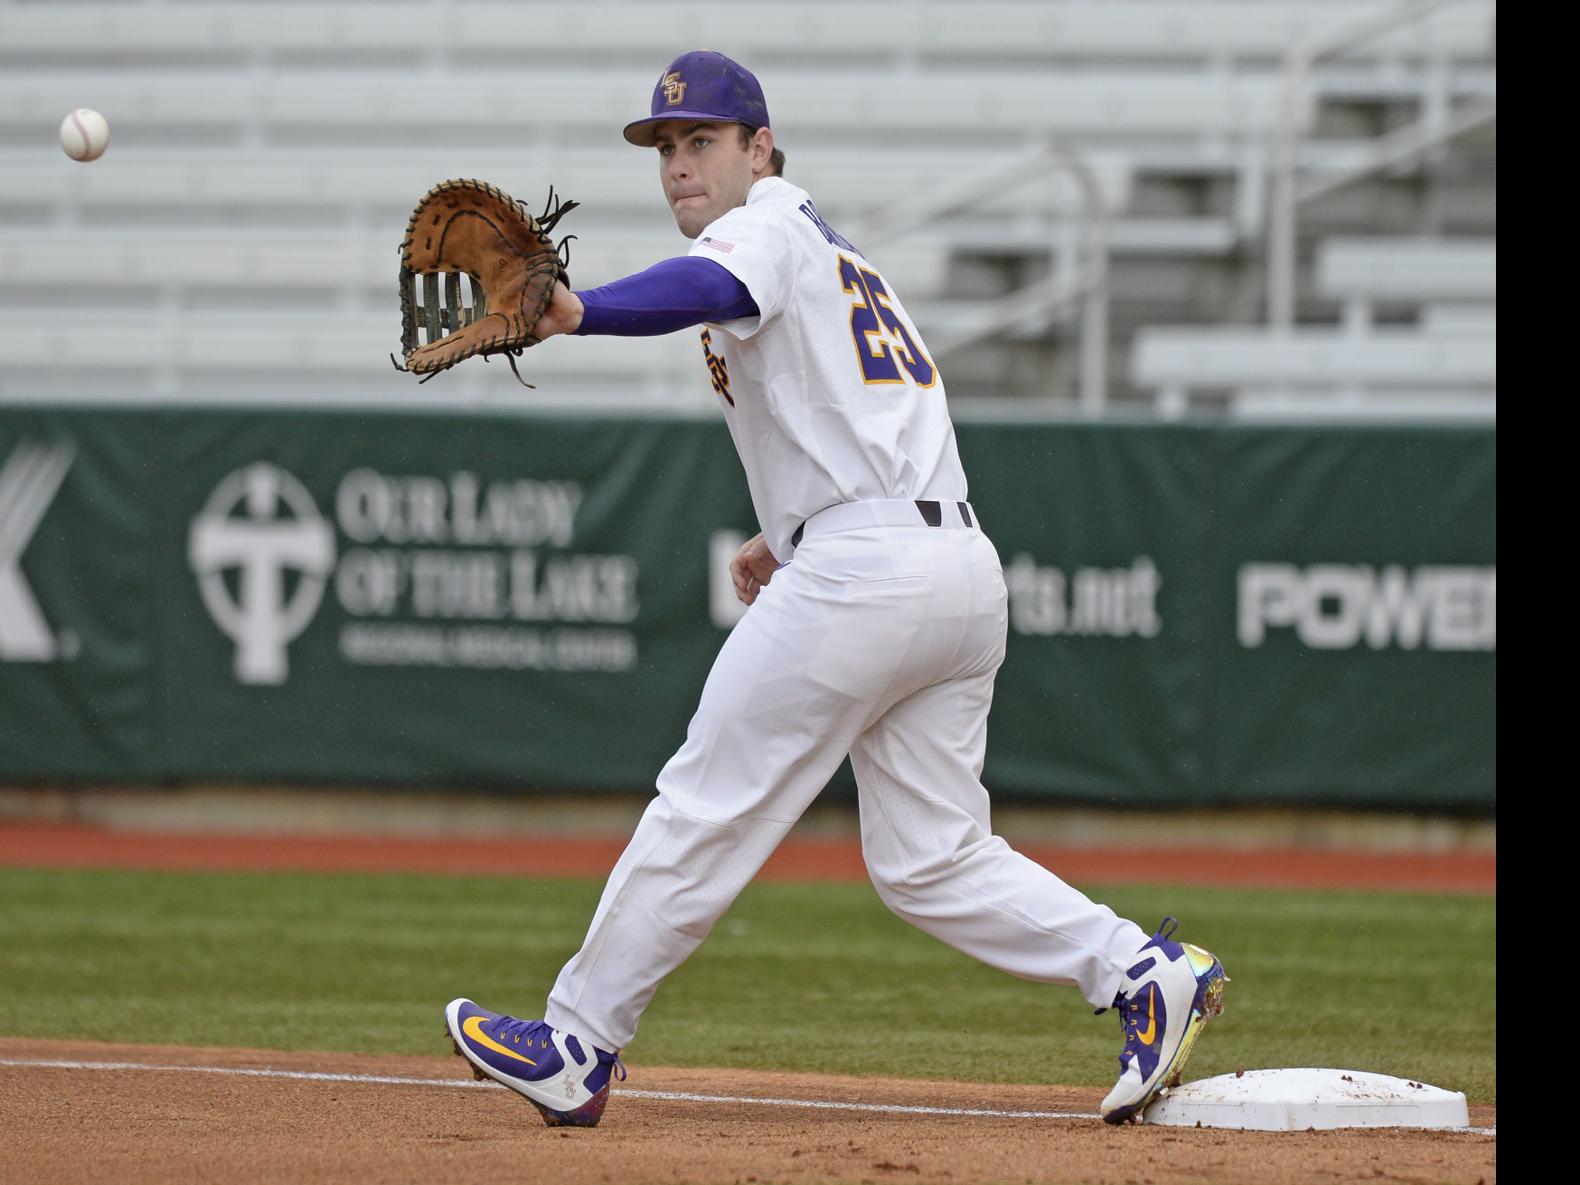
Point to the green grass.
(802, 977)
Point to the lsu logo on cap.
(674, 89)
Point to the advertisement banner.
(78, 639)
(1361, 649)
(475, 600)
(1100, 533)
(1198, 614)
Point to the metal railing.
(1286, 194)
(1044, 298)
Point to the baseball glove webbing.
(466, 226)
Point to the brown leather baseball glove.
(471, 227)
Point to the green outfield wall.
(1198, 613)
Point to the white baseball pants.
(880, 640)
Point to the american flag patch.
(718, 244)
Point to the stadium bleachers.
(265, 156)
(1363, 273)
(1159, 30)
(1444, 365)
(1431, 372)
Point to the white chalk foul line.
(665, 1095)
(886, 1108)
(469, 1084)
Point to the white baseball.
(84, 134)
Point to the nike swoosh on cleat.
(1150, 1034)
(473, 1028)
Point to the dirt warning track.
(78, 846)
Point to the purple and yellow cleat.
(1173, 989)
(565, 1078)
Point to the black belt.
(932, 514)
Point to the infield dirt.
(160, 1125)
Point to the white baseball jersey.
(829, 391)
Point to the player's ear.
(762, 150)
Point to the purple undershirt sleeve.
(674, 294)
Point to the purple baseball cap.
(702, 86)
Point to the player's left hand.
(564, 314)
(752, 568)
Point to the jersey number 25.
(878, 332)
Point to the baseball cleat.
(565, 1078)
(1173, 990)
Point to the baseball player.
(876, 625)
